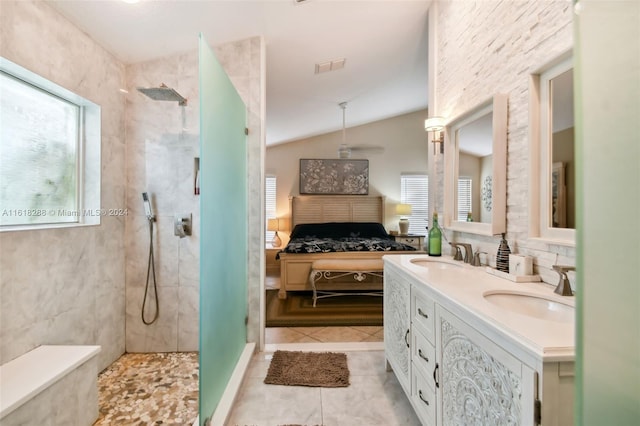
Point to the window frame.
(415, 225)
(267, 213)
(88, 211)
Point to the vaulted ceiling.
(384, 44)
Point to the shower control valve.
(182, 225)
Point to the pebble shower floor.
(149, 389)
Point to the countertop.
(460, 289)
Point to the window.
(44, 153)
(464, 198)
(270, 204)
(414, 190)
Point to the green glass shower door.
(223, 229)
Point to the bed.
(344, 228)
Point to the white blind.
(414, 190)
(270, 204)
(464, 198)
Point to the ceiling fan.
(344, 150)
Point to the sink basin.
(532, 305)
(434, 263)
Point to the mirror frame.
(540, 158)
(498, 104)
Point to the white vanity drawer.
(424, 354)
(423, 397)
(422, 314)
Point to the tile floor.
(162, 388)
(373, 398)
(323, 334)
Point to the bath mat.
(316, 369)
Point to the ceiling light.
(131, 1)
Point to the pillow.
(340, 230)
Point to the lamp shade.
(403, 209)
(273, 225)
(434, 124)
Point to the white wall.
(405, 150)
(483, 48)
(66, 286)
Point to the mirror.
(475, 169)
(552, 169)
(561, 209)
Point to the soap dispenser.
(502, 259)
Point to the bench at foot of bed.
(337, 268)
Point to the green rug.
(297, 310)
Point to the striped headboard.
(335, 208)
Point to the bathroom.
(75, 283)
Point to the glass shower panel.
(223, 241)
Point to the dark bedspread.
(339, 237)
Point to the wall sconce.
(403, 210)
(274, 225)
(436, 126)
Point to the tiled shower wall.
(485, 48)
(66, 286)
(162, 143)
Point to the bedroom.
(400, 149)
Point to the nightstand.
(272, 264)
(416, 241)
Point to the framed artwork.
(334, 176)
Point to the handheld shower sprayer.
(147, 206)
(151, 267)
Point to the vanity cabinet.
(481, 384)
(397, 328)
(456, 370)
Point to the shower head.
(163, 93)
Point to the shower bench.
(51, 384)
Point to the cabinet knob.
(422, 314)
(405, 337)
(435, 375)
(422, 355)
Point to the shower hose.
(151, 274)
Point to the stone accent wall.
(488, 47)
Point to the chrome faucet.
(468, 252)
(458, 255)
(564, 287)
(476, 258)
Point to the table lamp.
(403, 210)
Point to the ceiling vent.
(336, 64)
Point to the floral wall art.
(334, 176)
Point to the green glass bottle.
(435, 237)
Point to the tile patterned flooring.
(374, 398)
(162, 388)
